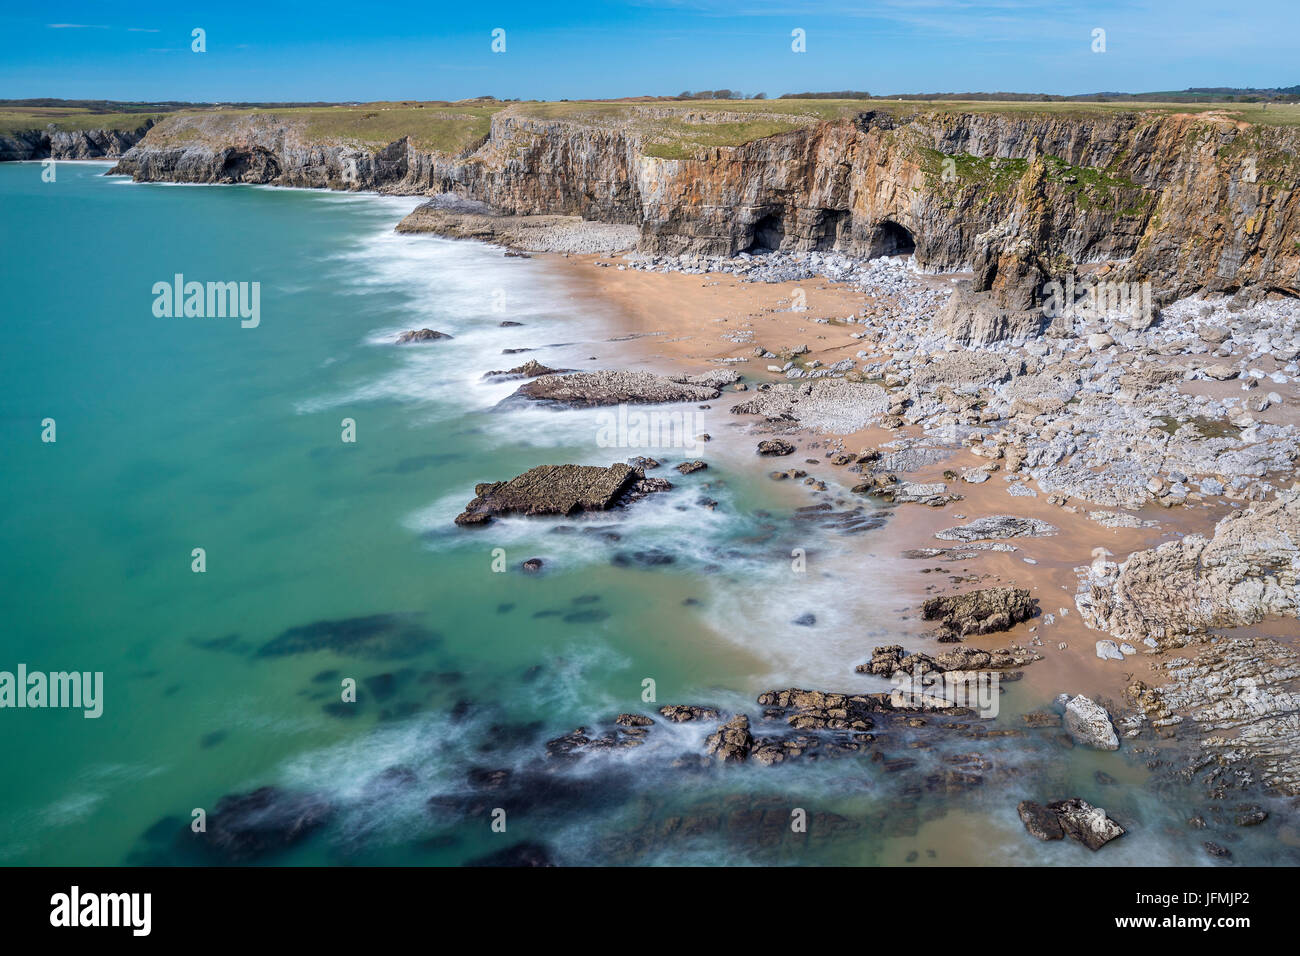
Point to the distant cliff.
(69, 144)
(1190, 202)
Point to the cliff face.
(79, 144)
(1188, 202)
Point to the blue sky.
(330, 50)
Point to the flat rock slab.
(997, 526)
(592, 389)
(556, 490)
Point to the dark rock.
(558, 490)
(530, 369)
(1040, 821)
(376, 635)
(1086, 823)
(526, 854)
(681, 713)
(688, 467)
(772, 447)
(532, 565)
(979, 612)
(249, 826)
(421, 335)
(731, 742)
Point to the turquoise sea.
(329, 560)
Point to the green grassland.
(71, 120)
(670, 129)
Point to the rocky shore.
(1017, 441)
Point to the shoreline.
(664, 312)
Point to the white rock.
(1088, 723)
(1109, 651)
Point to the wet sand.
(689, 323)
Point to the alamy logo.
(81, 690)
(980, 690)
(654, 428)
(210, 300)
(1096, 300)
(74, 908)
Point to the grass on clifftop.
(670, 129)
(70, 120)
(437, 127)
(682, 129)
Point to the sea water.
(233, 523)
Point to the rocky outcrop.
(997, 526)
(590, 389)
(1074, 818)
(559, 490)
(564, 234)
(894, 659)
(1188, 202)
(530, 369)
(1248, 569)
(979, 612)
(1088, 724)
(420, 335)
(51, 143)
(732, 742)
(1236, 699)
(825, 405)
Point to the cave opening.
(769, 233)
(891, 239)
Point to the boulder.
(774, 447)
(420, 335)
(1040, 821)
(1088, 723)
(731, 742)
(1088, 824)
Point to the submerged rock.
(248, 826)
(525, 854)
(559, 490)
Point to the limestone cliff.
(69, 144)
(1189, 202)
